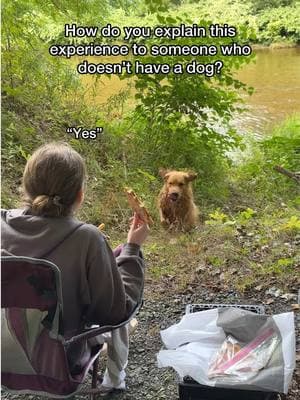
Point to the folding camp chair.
(34, 348)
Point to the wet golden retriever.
(176, 201)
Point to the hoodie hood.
(33, 236)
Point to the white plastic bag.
(191, 328)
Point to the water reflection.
(276, 79)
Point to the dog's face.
(176, 183)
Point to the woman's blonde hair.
(52, 178)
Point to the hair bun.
(41, 202)
(45, 203)
(52, 179)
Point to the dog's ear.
(163, 172)
(191, 176)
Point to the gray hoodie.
(97, 288)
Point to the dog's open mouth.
(173, 197)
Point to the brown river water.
(275, 76)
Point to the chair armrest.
(96, 330)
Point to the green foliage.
(282, 266)
(217, 217)
(215, 261)
(279, 24)
(270, 21)
(259, 5)
(244, 216)
(255, 179)
(283, 146)
(242, 219)
(292, 225)
(31, 79)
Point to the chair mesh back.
(32, 351)
(27, 285)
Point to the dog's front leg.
(163, 219)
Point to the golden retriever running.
(176, 201)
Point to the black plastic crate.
(191, 390)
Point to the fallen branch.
(293, 175)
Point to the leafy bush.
(270, 21)
(279, 24)
(255, 178)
